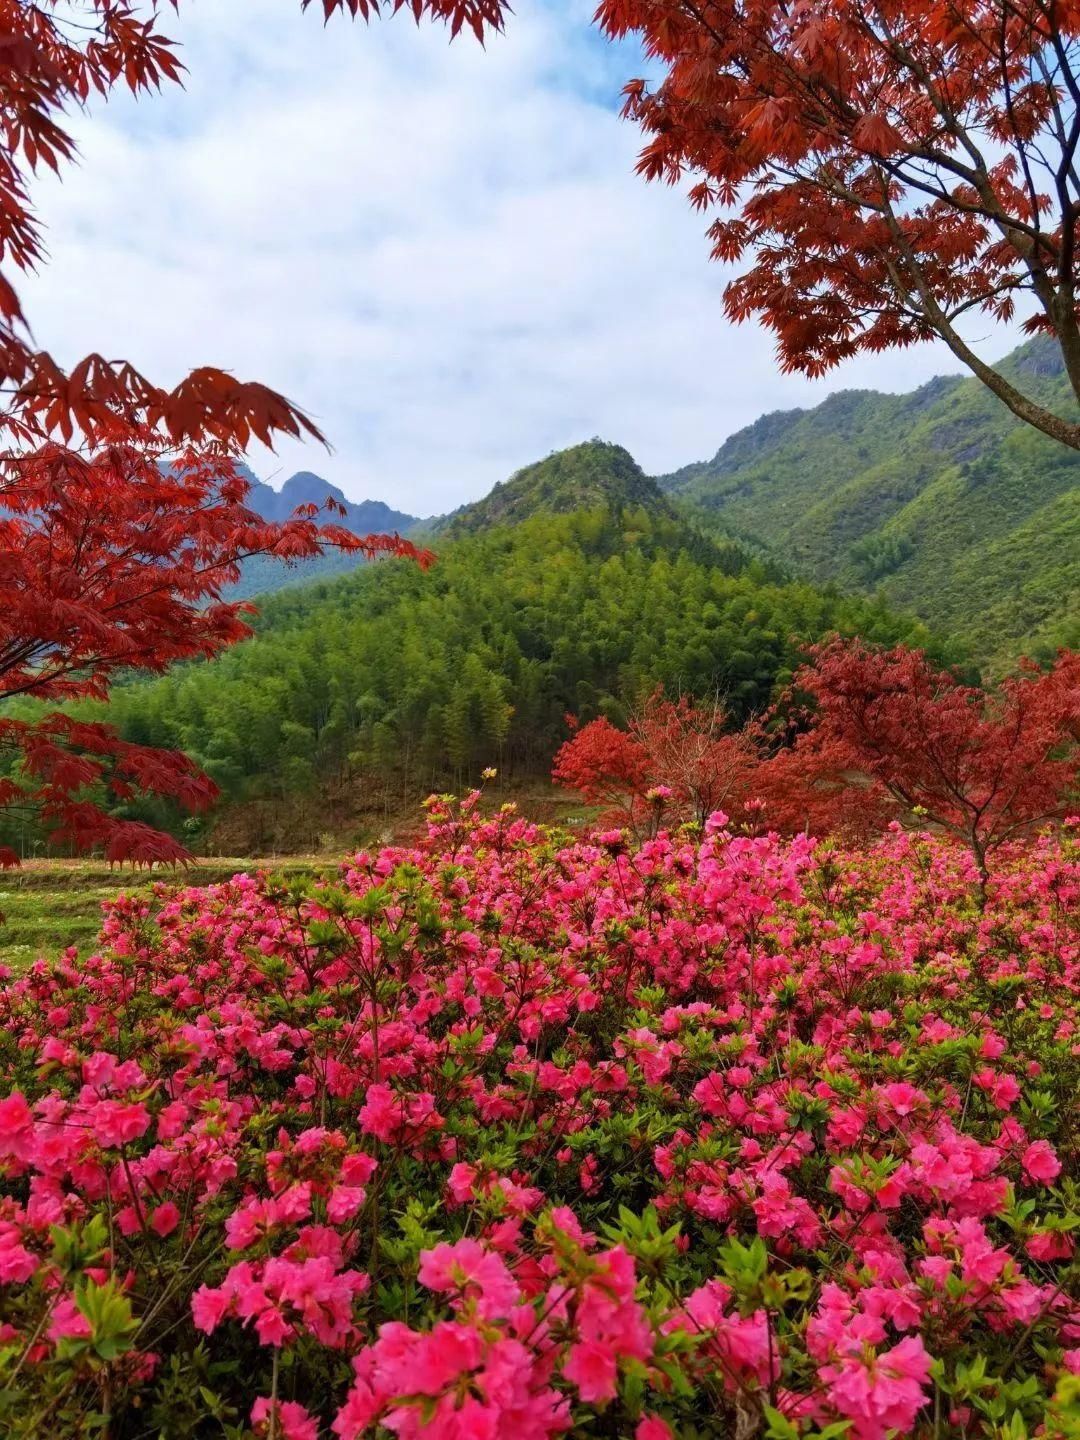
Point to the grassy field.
(50, 904)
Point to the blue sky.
(441, 252)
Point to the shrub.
(508, 1135)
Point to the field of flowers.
(516, 1135)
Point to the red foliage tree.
(882, 169)
(110, 563)
(607, 767)
(691, 752)
(986, 766)
(676, 760)
(121, 511)
(800, 789)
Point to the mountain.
(595, 475)
(364, 517)
(262, 575)
(938, 499)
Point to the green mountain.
(592, 476)
(939, 499)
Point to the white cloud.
(442, 252)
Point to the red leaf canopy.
(877, 168)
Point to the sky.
(441, 252)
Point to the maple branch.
(1021, 405)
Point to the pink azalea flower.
(592, 1367)
(1040, 1162)
(209, 1307)
(651, 1427)
(17, 1264)
(1050, 1245)
(902, 1098)
(471, 1272)
(116, 1122)
(68, 1321)
(881, 1394)
(16, 1126)
(293, 1421)
(165, 1218)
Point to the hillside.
(938, 499)
(358, 694)
(592, 475)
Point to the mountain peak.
(262, 574)
(938, 498)
(593, 475)
(363, 517)
(307, 488)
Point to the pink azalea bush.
(513, 1135)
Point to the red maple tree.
(881, 169)
(694, 753)
(122, 515)
(891, 732)
(678, 760)
(607, 767)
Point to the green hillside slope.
(939, 499)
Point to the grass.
(48, 905)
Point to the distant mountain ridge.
(363, 517)
(263, 575)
